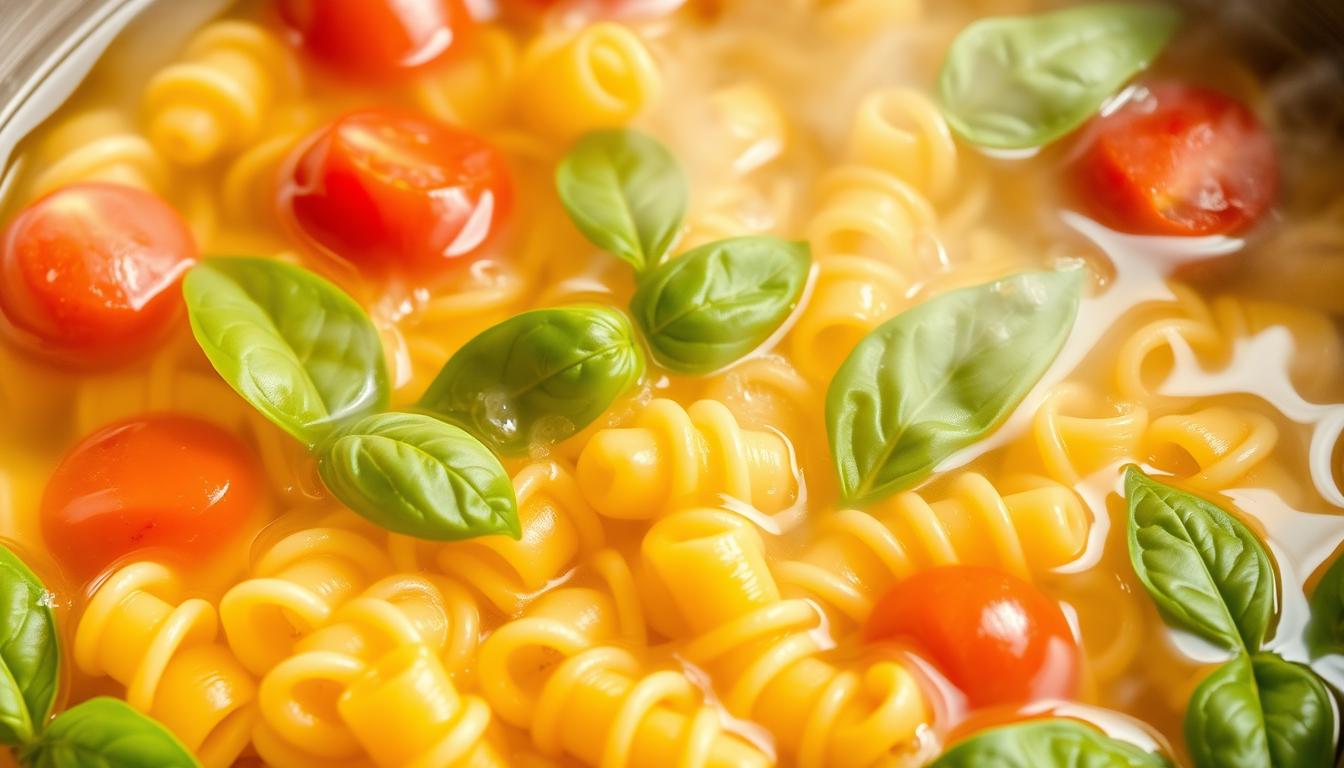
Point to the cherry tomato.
(994, 636)
(160, 481)
(396, 191)
(1179, 160)
(90, 272)
(377, 38)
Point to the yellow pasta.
(1035, 525)
(218, 97)
(1076, 431)
(476, 90)
(673, 457)
(1219, 448)
(768, 393)
(99, 145)
(709, 567)
(865, 17)
(599, 77)
(166, 655)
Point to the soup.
(867, 382)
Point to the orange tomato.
(377, 38)
(994, 636)
(1179, 160)
(393, 191)
(156, 482)
(90, 272)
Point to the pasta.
(99, 145)
(1076, 431)
(1217, 448)
(674, 457)
(166, 655)
(856, 556)
(476, 91)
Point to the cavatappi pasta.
(885, 410)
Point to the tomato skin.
(376, 39)
(89, 273)
(392, 191)
(160, 481)
(1178, 160)
(994, 636)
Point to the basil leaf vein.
(625, 192)
(414, 474)
(106, 733)
(1049, 743)
(938, 377)
(716, 303)
(29, 652)
(1208, 573)
(1018, 82)
(296, 347)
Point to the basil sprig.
(1048, 743)
(714, 304)
(938, 377)
(1325, 630)
(704, 309)
(308, 358)
(539, 376)
(625, 192)
(1018, 82)
(99, 733)
(1210, 575)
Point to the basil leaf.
(1261, 711)
(413, 474)
(714, 304)
(30, 654)
(1051, 743)
(1208, 573)
(107, 733)
(292, 344)
(1017, 82)
(542, 375)
(1325, 630)
(625, 192)
(939, 376)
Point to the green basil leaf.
(107, 733)
(1261, 712)
(1017, 82)
(714, 304)
(539, 376)
(1208, 573)
(938, 377)
(1325, 630)
(30, 654)
(414, 474)
(1053, 743)
(625, 192)
(292, 344)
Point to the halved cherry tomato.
(161, 481)
(994, 636)
(396, 191)
(377, 38)
(89, 273)
(1179, 160)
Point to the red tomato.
(90, 272)
(377, 38)
(994, 636)
(1180, 160)
(160, 481)
(395, 191)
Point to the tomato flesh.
(1179, 160)
(377, 38)
(994, 636)
(166, 482)
(90, 272)
(396, 191)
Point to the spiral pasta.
(477, 89)
(767, 393)
(99, 145)
(218, 97)
(1217, 448)
(709, 565)
(167, 657)
(674, 457)
(858, 555)
(1076, 431)
(296, 586)
(600, 77)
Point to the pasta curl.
(1076, 431)
(674, 457)
(99, 145)
(476, 90)
(1218, 448)
(135, 631)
